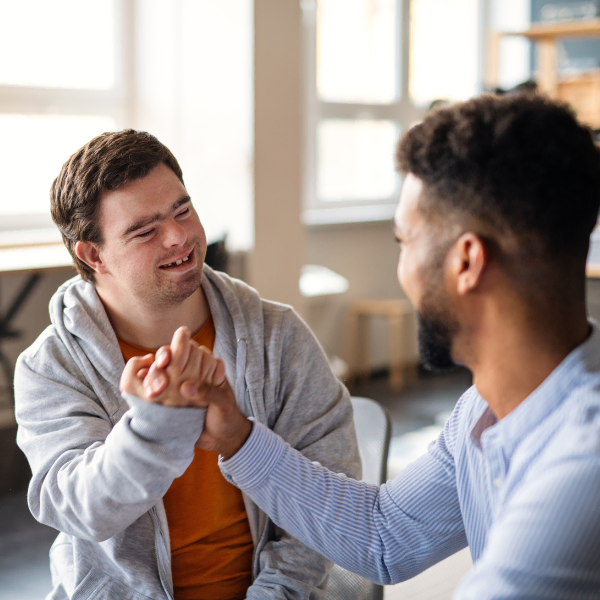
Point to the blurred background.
(284, 116)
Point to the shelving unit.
(581, 91)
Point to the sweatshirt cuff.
(255, 460)
(164, 424)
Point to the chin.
(435, 343)
(190, 284)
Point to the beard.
(436, 331)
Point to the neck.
(515, 350)
(152, 327)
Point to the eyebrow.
(145, 221)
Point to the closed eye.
(183, 213)
(144, 233)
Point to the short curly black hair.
(520, 164)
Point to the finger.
(180, 349)
(193, 368)
(199, 375)
(130, 381)
(155, 382)
(134, 365)
(209, 365)
(163, 356)
(198, 389)
(190, 389)
(142, 373)
(219, 374)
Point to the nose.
(173, 234)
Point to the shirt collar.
(509, 431)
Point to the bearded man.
(499, 199)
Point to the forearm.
(94, 488)
(340, 518)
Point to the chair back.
(373, 432)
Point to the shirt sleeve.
(386, 534)
(311, 411)
(546, 542)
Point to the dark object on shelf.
(527, 87)
(217, 256)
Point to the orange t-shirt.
(211, 544)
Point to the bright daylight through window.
(363, 56)
(52, 102)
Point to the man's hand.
(157, 379)
(185, 374)
(226, 429)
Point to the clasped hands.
(187, 375)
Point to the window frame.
(402, 111)
(115, 102)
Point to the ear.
(468, 259)
(89, 253)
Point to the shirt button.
(498, 482)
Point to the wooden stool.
(356, 339)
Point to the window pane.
(217, 140)
(59, 44)
(444, 53)
(356, 160)
(514, 52)
(356, 50)
(33, 149)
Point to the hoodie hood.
(81, 322)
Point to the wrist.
(239, 440)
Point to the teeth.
(177, 262)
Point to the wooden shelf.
(581, 91)
(566, 29)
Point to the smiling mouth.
(177, 262)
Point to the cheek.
(399, 270)
(408, 277)
(139, 258)
(196, 226)
(404, 270)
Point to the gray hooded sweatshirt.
(102, 461)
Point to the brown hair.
(105, 163)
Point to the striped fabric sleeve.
(546, 543)
(243, 469)
(356, 525)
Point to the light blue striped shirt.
(523, 493)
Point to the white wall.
(193, 90)
(367, 255)
(279, 244)
(514, 55)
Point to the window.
(373, 67)
(62, 82)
